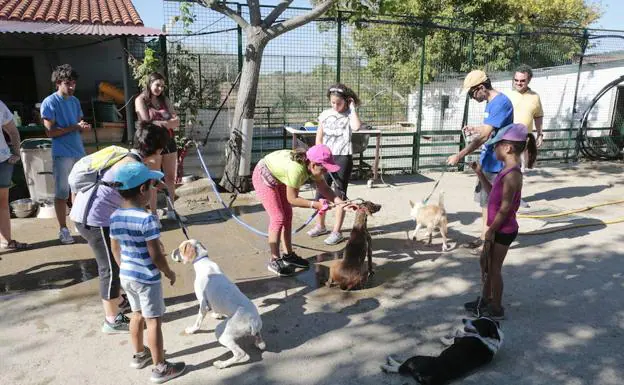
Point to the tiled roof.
(104, 12)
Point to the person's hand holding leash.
(324, 206)
(476, 167)
(453, 160)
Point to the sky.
(152, 15)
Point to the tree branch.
(300, 20)
(219, 6)
(276, 12)
(254, 12)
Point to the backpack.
(87, 172)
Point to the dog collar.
(199, 259)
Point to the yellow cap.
(474, 78)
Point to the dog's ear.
(411, 204)
(188, 251)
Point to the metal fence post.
(359, 64)
(284, 87)
(239, 34)
(339, 47)
(462, 142)
(519, 29)
(576, 88)
(199, 70)
(416, 140)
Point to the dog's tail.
(441, 199)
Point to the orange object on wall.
(112, 92)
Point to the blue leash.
(234, 216)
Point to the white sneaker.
(65, 236)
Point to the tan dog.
(351, 272)
(215, 291)
(430, 216)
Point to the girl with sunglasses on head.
(335, 127)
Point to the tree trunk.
(245, 108)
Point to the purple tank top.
(510, 225)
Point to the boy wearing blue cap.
(135, 243)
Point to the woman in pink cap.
(277, 179)
(503, 203)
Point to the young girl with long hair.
(503, 203)
(153, 106)
(335, 127)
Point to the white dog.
(215, 291)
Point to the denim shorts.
(481, 196)
(61, 167)
(6, 174)
(145, 297)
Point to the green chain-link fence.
(421, 122)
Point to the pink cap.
(321, 154)
(516, 132)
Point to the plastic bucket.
(36, 157)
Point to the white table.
(377, 133)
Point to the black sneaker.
(121, 325)
(293, 259)
(141, 360)
(124, 306)
(168, 372)
(279, 267)
(472, 305)
(489, 312)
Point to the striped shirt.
(132, 228)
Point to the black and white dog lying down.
(473, 345)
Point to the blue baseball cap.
(131, 175)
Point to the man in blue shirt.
(62, 118)
(498, 114)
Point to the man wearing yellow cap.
(498, 114)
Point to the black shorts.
(98, 239)
(171, 147)
(505, 239)
(340, 178)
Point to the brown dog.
(351, 272)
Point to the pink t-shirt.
(510, 225)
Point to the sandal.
(474, 244)
(14, 245)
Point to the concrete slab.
(563, 294)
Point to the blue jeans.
(61, 167)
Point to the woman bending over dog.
(503, 203)
(335, 127)
(277, 179)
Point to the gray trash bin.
(36, 157)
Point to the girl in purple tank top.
(503, 203)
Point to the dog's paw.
(221, 364)
(191, 330)
(217, 315)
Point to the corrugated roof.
(76, 29)
(101, 12)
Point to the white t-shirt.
(336, 131)
(5, 117)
